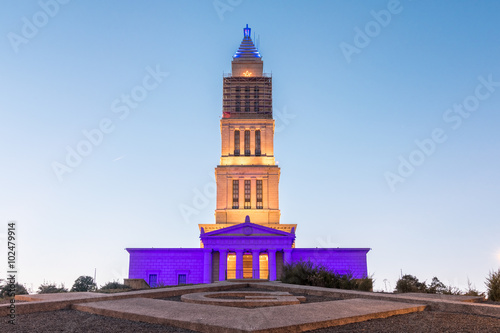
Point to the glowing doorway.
(231, 266)
(263, 266)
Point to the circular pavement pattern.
(243, 299)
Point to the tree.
(51, 289)
(437, 287)
(84, 283)
(6, 290)
(493, 285)
(410, 284)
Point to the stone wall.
(337, 259)
(167, 264)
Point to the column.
(239, 264)
(255, 264)
(287, 256)
(207, 266)
(263, 141)
(252, 141)
(272, 264)
(253, 193)
(231, 140)
(222, 265)
(242, 196)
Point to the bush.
(365, 284)
(472, 291)
(114, 285)
(19, 289)
(51, 289)
(306, 273)
(84, 283)
(410, 284)
(493, 285)
(298, 273)
(452, 291)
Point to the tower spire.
(247, 50)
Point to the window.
(257, 143)
(181, 279)
(236, 143)
(236, 192)
(247, 195)
(153, 280)
(259, 194)
(247, 143)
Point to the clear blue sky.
(348, 108)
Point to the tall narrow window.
(236, 192)
(247, 143)
(153, 280)
(236, 143)
(247, 195)
(259, 194)
(181, 279)
(257, 143)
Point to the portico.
(245, 250)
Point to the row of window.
(153, 280)
(247, 193)
(247, 89)
(247, 143)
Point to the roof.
(247, 229)
(247, 50)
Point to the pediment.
(247, 229)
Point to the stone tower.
(247, 176)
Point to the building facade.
(247, 239)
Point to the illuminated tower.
(247, 177)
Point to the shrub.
(410, 284)
(450, 290)
(298, 273)
(114, 285)
(19, 289)
(493, 285)
(472, 291)
(51, 289)
(306, 273)
(84, 283)
(365, 284)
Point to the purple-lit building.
(247, 240)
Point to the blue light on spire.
(246, 32)
(247, 48)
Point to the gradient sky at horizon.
(341, 126)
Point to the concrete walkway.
(146, 305)
(213, 318)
